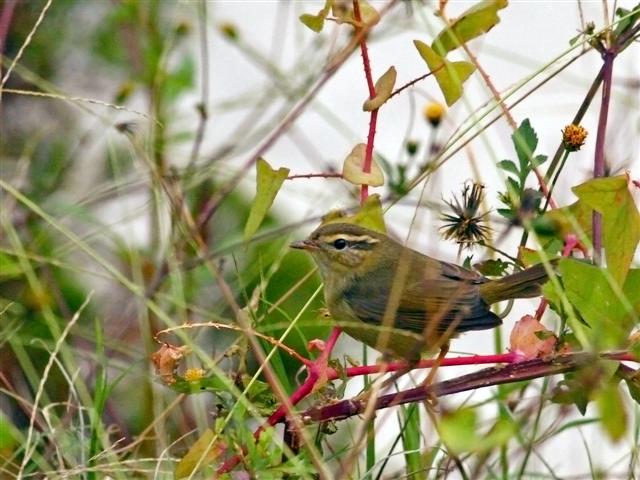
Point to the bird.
(400, 301)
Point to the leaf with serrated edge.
(268, 183)
(525, 142)
(352, 168)
(473, 22)
(620, 220)
(384, 88)
(449, 75)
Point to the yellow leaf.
(352, 168)
(202, 453)
(384, 88)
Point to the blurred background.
(120, 116)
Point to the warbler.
(400, 301)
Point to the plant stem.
(368, 158)
(515, 372)
(599, 160)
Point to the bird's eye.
(340, 243)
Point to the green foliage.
(610, 196)
(316, 22)
(369, 215)
(612, 411)
(459, 431)
(268, 183)
(472, 23)
(100, 409)
(518, 199)
(449, 75)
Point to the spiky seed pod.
(465, 224)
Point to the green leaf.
(458, 430)
(627, 19)
(525, 142)
(633, 384)
(560, 222)
(620, 220)
(268, 184)
(530, 257)
(384, 87)
(313, 22)
(492, 267)
(369, 215)
(352, 168)
(473, 22)
(610, 313)
(571, 391)
(449, 75)
(9, 267)
(368, 14)
(316, 22)
(612, 411)
(508, 166)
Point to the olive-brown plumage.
(400, 301)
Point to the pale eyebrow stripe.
(350, 238)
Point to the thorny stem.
(366, 168)
(315, 175)
(516, 371)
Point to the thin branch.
(515, 372)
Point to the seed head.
(573, 137)
(466, 224)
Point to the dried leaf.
(530, 339)
(352, 168)
(166, 361)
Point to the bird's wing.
(437, 297)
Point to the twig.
(515, 372)
(315, 175)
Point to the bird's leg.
(444, 349)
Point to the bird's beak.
(304, 244)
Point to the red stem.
(368, 158)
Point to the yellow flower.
(573, 137)
(433, 113)
(193, 374)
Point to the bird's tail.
(524, 284)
